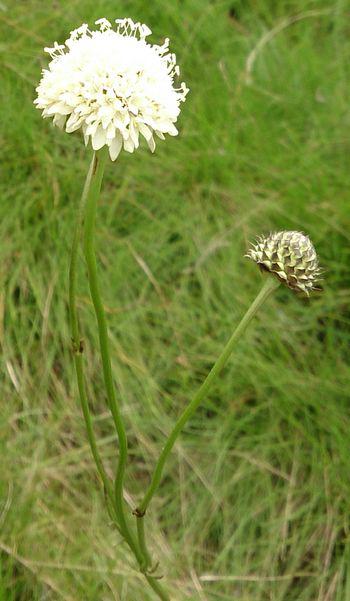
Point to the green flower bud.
(290, 256)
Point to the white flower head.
(113, 85)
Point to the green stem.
(114, 500)
(269, 286)
(90, 257)
(157, 587)
(76, 338)
(142, 541)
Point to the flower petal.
(115, 147)
(99, 138)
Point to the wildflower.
(290, 256)
(113, 85)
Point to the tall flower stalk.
(99, 160)
(85, 224)
(77, 341)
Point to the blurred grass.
(255, 502)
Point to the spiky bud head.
(290, 256)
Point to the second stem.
(269, 286)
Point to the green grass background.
(254, 505)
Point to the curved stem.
(89, 250)
(269, 286)
(76, 338)
(114, 499)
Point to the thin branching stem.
(269, 286)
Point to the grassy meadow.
(254, 504)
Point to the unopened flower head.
(113, 85)
(290, 256)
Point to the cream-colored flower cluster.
(112, 85)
